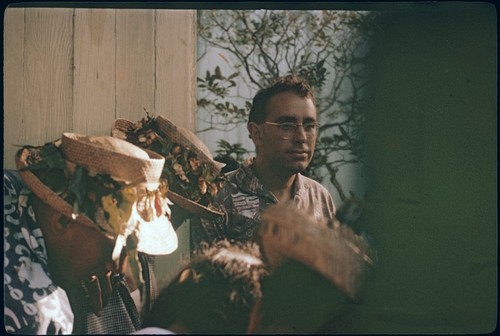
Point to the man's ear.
(255, 133)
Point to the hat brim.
(186, 138)
(45, 194)
(193, 207)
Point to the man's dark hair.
(214, 293)
(290, 83)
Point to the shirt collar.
(249, 183)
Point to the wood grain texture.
(78, 69)
(13, 46)
(48, 75)
(176, 87)
(94, 71)
(175, 98)
(135, 68)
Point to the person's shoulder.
(235, 176)
(12, 180)
(234, 173)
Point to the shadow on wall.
(432, 141)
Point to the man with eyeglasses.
(283, 126)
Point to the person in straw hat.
(317, 272)
(283, 126)
(83, 218)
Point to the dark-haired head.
(289, 83)
(214, 293)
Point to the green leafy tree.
(328, 48)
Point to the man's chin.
(297, 167)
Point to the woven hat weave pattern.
(337, 253)
(185, 137)
(120, 159)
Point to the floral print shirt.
(33, 304)
(244, 198)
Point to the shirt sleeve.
(213, 229)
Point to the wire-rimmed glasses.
(288, 129)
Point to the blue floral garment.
(33, 304)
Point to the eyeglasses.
(288, 129)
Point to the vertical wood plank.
(13, 47)
(135, 68)
(176, 66)
(175, 98)
(94, 71)
(48, 73)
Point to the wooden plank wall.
(78, 69)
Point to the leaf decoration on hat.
(73, 183)
(109, 204)
(47, 156)
(78, 188)
(48, 164)
(119, 209)
(183, 171)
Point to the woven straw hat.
(185, 138)
(107, 155)
(337, 253)
(127, 164)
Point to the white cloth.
(153, 331)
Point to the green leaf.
(77, 184)
(50, 158)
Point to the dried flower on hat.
(192, 176)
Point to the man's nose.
(300, 134)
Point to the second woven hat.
(189, 165)
(339, 254)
